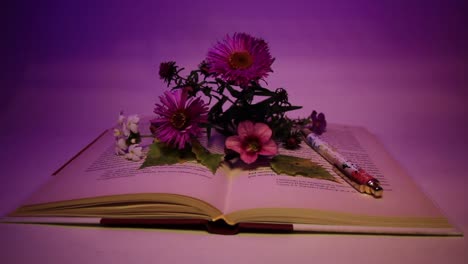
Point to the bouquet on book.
(223, 94)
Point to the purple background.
(398, 68)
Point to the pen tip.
(375, 189)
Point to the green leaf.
(294, 166)
(162, 154)
(205, 157)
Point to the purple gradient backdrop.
(71, 65)
(396, 67)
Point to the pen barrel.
(354, 175)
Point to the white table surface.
(61, 95)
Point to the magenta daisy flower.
(240, 59)
(179, 118)
(253, 139)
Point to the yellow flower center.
(253, 145)
(240, 60)
(179, 120)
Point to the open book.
(98, 186)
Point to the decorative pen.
(353, 174)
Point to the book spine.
(215, 227)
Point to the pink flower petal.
(269, 148)
(263, 132)
(245, 128)
(182, 98)
(234, 143)
(249, 157)
(168, 100)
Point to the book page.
(263, 188)
(99, 172)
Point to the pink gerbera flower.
(253, 139)
(240, 59)
(179, 118)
